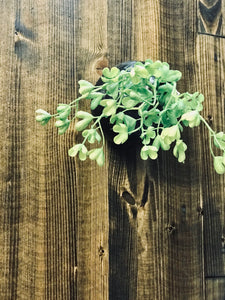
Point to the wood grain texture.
(131, 230)
(175, 192)
(211, 53)
(49, 208)
(211, 18)
(215, 289)
(91, 181)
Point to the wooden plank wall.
(132, 229)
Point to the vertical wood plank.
(91, 184)
(55, 34)
(22, 177)
(122, 170)
(42, 231)
(169, 226)
(9, 190)
(211, 81)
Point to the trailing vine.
(141, 99)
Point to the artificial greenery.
(148, 91)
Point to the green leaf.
(219, 140)
(156, 142)
(114, 72)
(192, 101)
(170, 76)
(79, 148)
(129, 122)
(74, 150)
(96, 99)
(110, 107)
(161, 70)
(196, 101)
(149, 152)
(179, 150)
(148, 135)
(98, 155)
(219, 164)
(92, 135)
(159, 143)
(81, 125)
(151, 117)
(163, 145)
(143, 109)
(62, 125)
(170, 134)
(64, 111)
(129, 103)
(134, 95)
(134, 77)
(87, 118)
(122, 135)
(118, 118)
(140, 70)
(112, 90)
(192, 117)
(43, 116)
(85, 87)
(83, 153)
(155, 69)
(165, 88)
(95, 102)
(84, 115)
(94, 95)
(62, 107)
(169, 117)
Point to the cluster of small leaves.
(147, 90)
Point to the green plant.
(141, 99)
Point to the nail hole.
(170, 228)
(101, 251)
(210, 119)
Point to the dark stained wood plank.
(49, 211)
(211, 53)
(164, 236)
(215, 289)
(22, 171)
(171, 260)
(91, 180)
(122, 224)
(56, 39)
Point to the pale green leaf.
(122, 135)
(219, 164)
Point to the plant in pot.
(135, 99)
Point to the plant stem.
(207, 125)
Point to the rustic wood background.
(132, 229)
